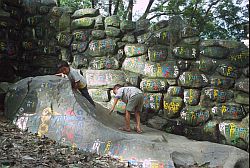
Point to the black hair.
(62, 64)
(117, 86)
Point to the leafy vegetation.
(217, 19)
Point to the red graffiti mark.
(70, 112)
(202, 118)
(166, 74)
(68, 132)
(161, 165)
(235, 114)
(156, 87)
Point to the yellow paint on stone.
(45, 120)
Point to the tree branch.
(110, 7)
(160, 14)
(203, 22)
(117, 3)
(193, 13)
(130, 10)
(210, 7)
(58, 3)
(147, 10)
(93, 3)
(158, 7)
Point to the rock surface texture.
(47, 105)
(193, 86)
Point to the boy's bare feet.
(124, 129)
(139, 131)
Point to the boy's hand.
(61, 74)
(111, 111)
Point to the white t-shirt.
(75, 75)
(125, 93)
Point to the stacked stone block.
(40, 52)
(95, 51)
(10, 26)
(192, 87)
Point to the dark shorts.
(135, 103)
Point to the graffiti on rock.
(135, 50)
(152, 100)
(8, 48)
(79, 47)
(191, 96)
(81, 36)
(104, 78)
(118, 150)
(99, 95)
(228, 71)
(229, 111)
(221, 82)
(193, 79)
(98, 47)
(234, 132)
(153, 85)
(217, 95)
(194, 117)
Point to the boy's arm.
(113, 107)
(61, 75)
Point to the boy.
(76, 78)
(133, 97)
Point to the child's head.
(63, 67)
(116, 87)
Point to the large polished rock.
(47, 105)
(152, 101)
(82, 23)
(221, 82)
(154, 85)
(79, 47)
(89, 12)
(193, 80)
(191, 97)
(157, 53)
(206, 65)
(64, 39)
(105, 78)
(132, 50)
(218, 42)
(240, 57)
(127, 25)
(81, 35)
(175, 91)
(215, 52)
(195, 115)
(235, 133)
(98, 34)
(229, 111)
(112, 31)
(217, 95)
(101, 47)
(167, 69)
(186, 52)
(99, 63)
(172, 107)
(112, 21)
(228, 71)
(242, 85)
(100, 95)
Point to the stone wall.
(193, 87)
